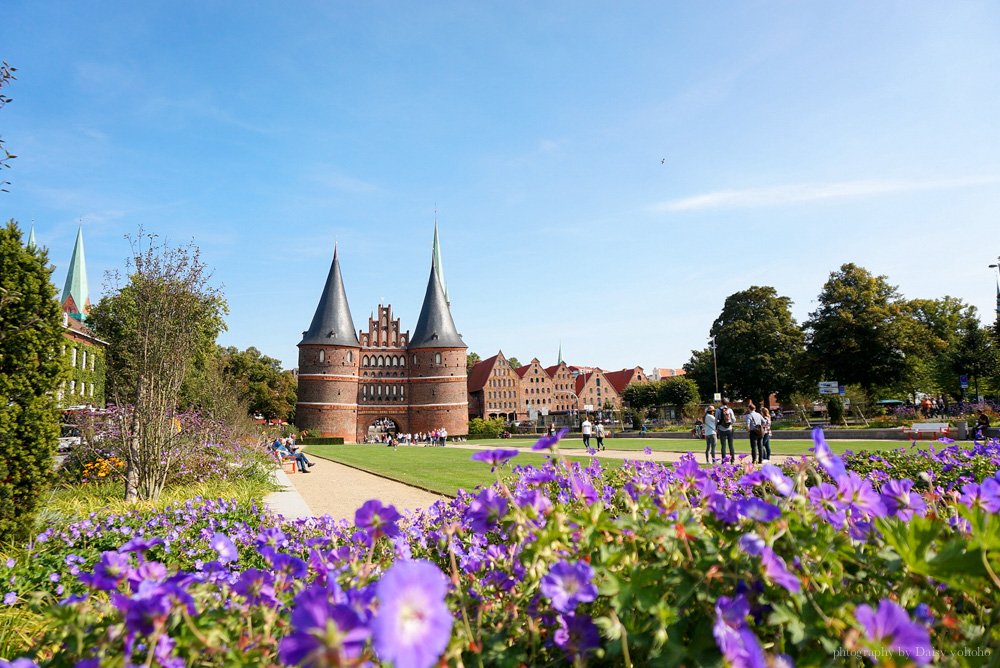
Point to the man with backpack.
(755, 428)
(724, 419)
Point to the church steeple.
(560, 354)
(76, 295)
(436, 261)
(332, 323)
(31, 238)
(435, 326)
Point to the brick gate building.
(350, 380)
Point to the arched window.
(380, 390)
(364, 361)
(350, 356)
(402, 360)
(395, 361)
(381, 361)
(437, 358)
(402, 388)
(322, 356)
(414, 358)
(364, 391)
(393, 390)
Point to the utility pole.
(715, 366)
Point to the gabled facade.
(350, 381)
(564, 388)
(593, 391)
(538, 392)
(493, 389)
(622, 379)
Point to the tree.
(270, 392)
(759, 344)
(513, 363)
(974, 354)
(155, 326)
(679, 392)
(858, 335)
(935, 328)
(6, 76)
(31, 370)
(471, 360)
(640, 396)
(701, 369)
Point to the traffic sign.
(829, 387)
(963, 382)
(842, 390)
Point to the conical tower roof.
(76, 295)
(332, 324)
(435, 326)
(436, 261)
(31, 239)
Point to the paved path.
(638, 455)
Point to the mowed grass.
(740, 444)
(442, 470)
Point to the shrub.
(480, 428)
(316, 440)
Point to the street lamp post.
(997, 267)
(715, 365)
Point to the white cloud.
(798, 193)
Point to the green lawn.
(441, 470)
(740, 443)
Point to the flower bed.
(567, 564)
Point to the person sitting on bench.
(300, 458)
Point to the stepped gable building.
(564, 392)
(537, 390)
(493, 389)
(622, 379)
(351, 381)
(594, 390)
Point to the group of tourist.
(589, 430)
(718, 427)
(435, 437)
(286, 447)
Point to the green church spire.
(31, 238)
(76, 295)
(560, 354)
(436, 261)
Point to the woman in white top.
(765, 443)
(710, 435)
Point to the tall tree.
(31, 369)
(859, 333)
(471, 360)
(975, 355)
(680, 392)
(640, 396)
(701, 369)
(758, 344)
(155, 326)
(269, 391)
(936, 327)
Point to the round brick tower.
(437, 357)
(329, 356)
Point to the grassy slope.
(442, 470)
(740, 443)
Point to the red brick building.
(622, 379)
(538, 391)
(593, 389)
(564, 388)
(493, 389)
(348, 381)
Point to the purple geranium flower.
(752, 544)
(576, 635)
(377, 519)
(830, 462)
(109, 572)
(901, 501)
(548, 442)
(485, 510)
(18, 663)
(140, 544)
(733, 636)
(326, 633)
(413, 625)
(10, 598)
(858, 494)
(495, 458)
(647, 450)
(892, 626)
(224, 546)
(256, 586)
(759, 510)
(777, 572)
(568, 585)
(781, 482)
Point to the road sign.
(717, 396)
(829, 387)
(963, 382)
(842, 390)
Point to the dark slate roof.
(332, 324)
(435, 327)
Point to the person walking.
(443, 435)
(724, 420)
(765, 442)
(599, 431)
(755, 428)
(586, 428)
(710, 435)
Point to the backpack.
(725, 418)
(757, 428)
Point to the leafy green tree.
(680, 392)
(471, 360)
(480, 428)
(269, 391)
(155, 325)
(514, 364)
(759, 344)
(975, 354)
(31, 369)
(701, 369)
(640, 396)
(860, 334)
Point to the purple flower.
(377, 520)
(326, 633)
(781, 482)
(413, 625)
(985, 496)
(485, 511)
(901, 501)
(224, 546)
(140, 544)
(576, 635)
(568, 585)
(647, 450)
(10, 598)
(495, 458)
(256, 586)
(582, 488)
(18, 663)
(777, 572)
(858, 494)
(824, 499)
(735, 639)
(891, 626)
(830, 462)
(109, 571)
(752, 544)
(549, 442)
(756, 509)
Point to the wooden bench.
(286, 462)
(935, 429)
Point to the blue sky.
(604, 174)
